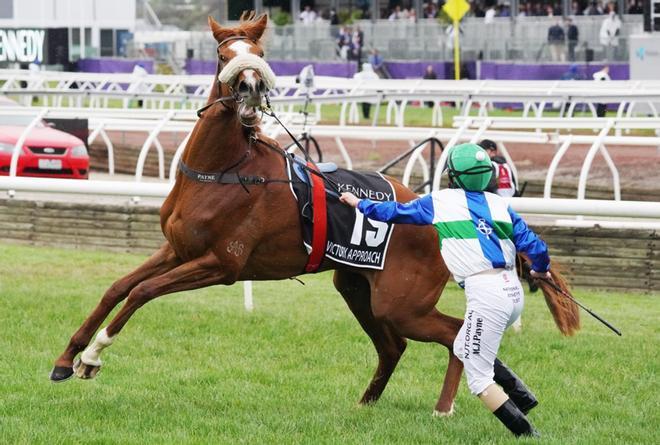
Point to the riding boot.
(514, 387)
(515, 420)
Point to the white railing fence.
(532, 131)
(100, 90)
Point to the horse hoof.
(61, 373)
(449, 413)
(84, 371)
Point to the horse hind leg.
(160, 262)
(389, 345)
(202, 272)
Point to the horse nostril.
(262, 86)
(243, 87)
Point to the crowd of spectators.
(488, 9)
(566, 37)
(563, 35)
(350, 43)
(562, 38)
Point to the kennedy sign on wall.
(22, 45)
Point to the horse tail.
(565, 313)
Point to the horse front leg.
(160, 262)
(202, 272)
(434, 326)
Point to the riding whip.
(570, 297)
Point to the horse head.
(242, 72)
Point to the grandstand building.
(59, 32)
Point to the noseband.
(234, 94)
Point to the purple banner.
(444, 70)
(107, 65)
(196, 66)
(414, 70)
(282, 67)
(549, 71)
(398, 70)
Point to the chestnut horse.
(204, 223)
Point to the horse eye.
(223, 58)
(261, 54)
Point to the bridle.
(235, 96)
(231, 175)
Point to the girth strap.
(320, 222)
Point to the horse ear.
(219, 33)
(255, 28)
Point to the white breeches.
(494, 301)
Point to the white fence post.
(18, 147)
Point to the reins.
(290, 157)
(269, 112)
(226, 176)
(235, 96)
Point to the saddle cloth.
(351, 239)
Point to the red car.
(46, 152)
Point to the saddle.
(304, 176)
(332, 230)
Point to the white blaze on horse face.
(90, 355)
(250, 79)
(242, 47)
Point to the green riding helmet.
(469, 167)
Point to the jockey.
(479, 236)
(504, 183)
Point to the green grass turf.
(415, 115)
(196, 367)
(421, 116)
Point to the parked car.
(46, 152)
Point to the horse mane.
(248, 16)
(250, 25)
(253, 25)
(565, 313)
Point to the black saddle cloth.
(352, 239)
